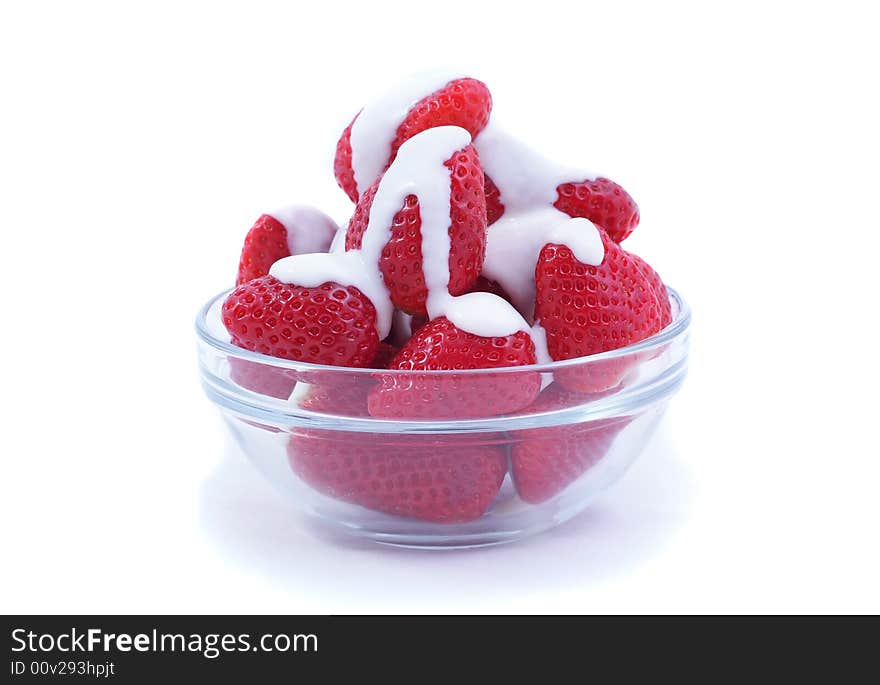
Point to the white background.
(137, 146)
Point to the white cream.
(346, 268)
(338, 244)
(375, 127)
(308, 229)
(539, 337)
(484, 314)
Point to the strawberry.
(341, 398)
(342, 164)
(401, 260)
(264, 379)
(603, 202)
(326, 394)
(384, 356)
(494, 207)
(587, 309)
(432, 478)
(330, 324)
(658, 286)
(544, 461)
(295, 230)
(264, 245)
(416, 323)
(463, 102)
(345, 395)
(440, 346)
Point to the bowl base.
(435, 541)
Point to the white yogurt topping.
(375, 127)
(308, 228)
(539, 336)
(484, 314)
(338, 244)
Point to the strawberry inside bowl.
(450, 457)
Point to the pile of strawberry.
(583, 309)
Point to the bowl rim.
(678, 327)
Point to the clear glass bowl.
(470, 477)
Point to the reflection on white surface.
(252, 526)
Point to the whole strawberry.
(588, 309)
(330, 324)
(603, 202)
(545, 461)
(293, 230)
(401, 259)
(439, 345)
(429, 478)
(463, 102)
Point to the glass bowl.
(458, 473)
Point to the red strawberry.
(591, 309)
(342, 164)
(432, 478)
(264, 245)
(544, 461)
(416, 323)
(331, 324)
(494, 207)
(440, 345)
(384, 356)
(295, 230)
(603, 202)
(346, 394)
(345, 398)
(658, 286)
(401, 260)
(463, 102)
(264, 379)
